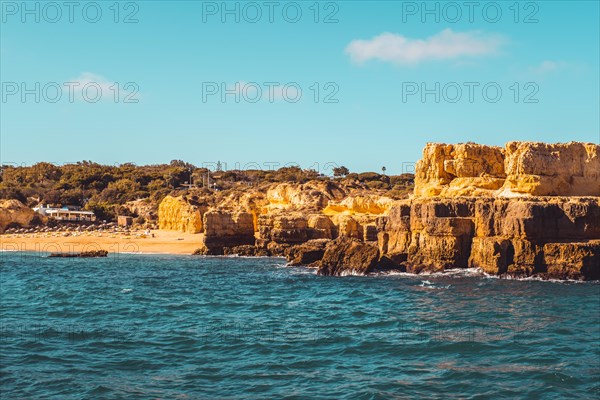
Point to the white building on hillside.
(66, 213)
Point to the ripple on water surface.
(200, 327)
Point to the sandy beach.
(163, 242)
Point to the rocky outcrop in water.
(83, 254)
(545, 236)
(309, 253)
(346, 256)
(514, 211)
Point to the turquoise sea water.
(184, 327)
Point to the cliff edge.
(526, 209)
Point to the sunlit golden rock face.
(540, 169)
(284, 212)
(519, 169)
(526, 209)
(311, 195)
(177, 214)
(359, 205)
(459, 170)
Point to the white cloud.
(446, 45)
(86, 78)
(91, 87)
(549, 66)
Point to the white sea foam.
(448, 272)
(430, 285)
(538, 279)
(350, 273)
(394, 273)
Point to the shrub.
(377, 185)
(369, 176)
(11, 193)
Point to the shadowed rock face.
(309, 253)
(227, 229)
(345, 256)
(548, 236)
(14, 212)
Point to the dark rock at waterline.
(246, 250)
(307, 253)
(83, 254)
(346, 256)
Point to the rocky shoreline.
(467, 212)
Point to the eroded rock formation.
(518, 169)
(224, 229)
(178, 214)
(15, 213)
(346, 256)
(459, 170)
(541, 169)
(550, 237)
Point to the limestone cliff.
(553, 237)
(541, 169)
(518, 169)
(227, 229)
(353, 205)
(142, 208)
(313, 195)
(177, 214)
(520, 210)
(251, 201)
(13, 212)
(283, 214)
(459, 170)
(516, 210)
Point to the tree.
(12, 193)
(182, 164)
(340, 171)
(45, 171)
(383, 169)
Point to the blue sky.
(370, 61)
